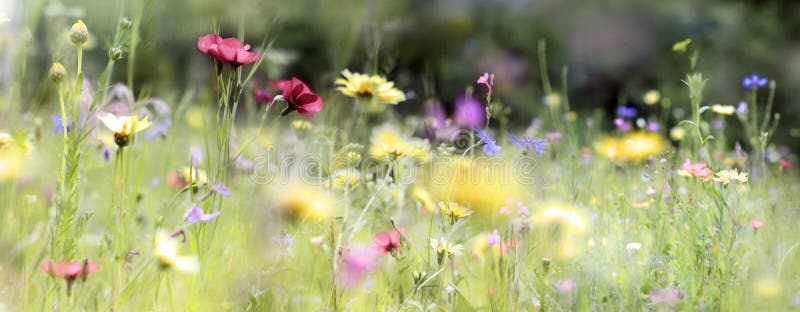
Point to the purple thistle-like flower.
(490, 146)
(195, 215)
(221, 189)
(159, 129)
(528, 144)
(57, 126)
(493, 239)
(754, 80)
(627, 111)
(468, 112)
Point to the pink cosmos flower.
(228, 50)
(300, 97)
(699, 170)
(385, 242)
(69, 270)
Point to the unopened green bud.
(79, 34)
(57, 72)
(115, 53)
(125, 23)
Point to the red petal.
(204, 42)
(395, 237)
(244, 57)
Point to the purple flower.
(490, 146)
(626, 111)
(742, 108)
(528, 144)
(754, 80)
(195, 215)
(493, 239)
(286, 240)
(665, 295)
(221, 189)
(718, 124)
(159, 129)
(57, 126)
(468, 112)
(197, 156)
(623, 125)
(106, 153)
(653, 126)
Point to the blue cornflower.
(528, 144)
(159, 129)
(626, 111)
(754, 80)
(490, 146)
(57, 126)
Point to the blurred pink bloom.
(757, 224)
(228, 50)
(553, 136)
(566, 286)
(356, 262)
(487, 80)
(699, 170)
(385, 242)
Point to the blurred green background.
(614, 50)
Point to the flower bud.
(125, 23)
(79, 34)
(115, 53)
(57, 72)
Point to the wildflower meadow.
(398, 156)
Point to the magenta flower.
(385, 243)
(356, 263)
(261, 96)
(300, 97)
(195, 215)
(228, 50)
(468, 112)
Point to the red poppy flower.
(300, 97)
(385, 242)
(228, 50)
(69, 270)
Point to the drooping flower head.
(123, 126)
(196, 215)
(373, 92)
(754, 80)
(228, 50)
(469, 113)
(300, 97)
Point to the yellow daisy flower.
(454, 211)
(305, 202)
(166, 251)
(123, 126)
(387, 143)
(376, 89)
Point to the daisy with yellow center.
(166, 251)
(123, 126)
(387, 143)
(375, 89)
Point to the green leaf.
(687, 122)
(682, 45)
(703, 109)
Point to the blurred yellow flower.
(195, 119)
(301, 125)
(344, 178)
(726, 176)
(123, 126)
(454, 211)
(304, 201)
(634, 146)
(374, 91)
(677, 133)
(552, 100)
(166, 251)
(10, 164)
(387, 143)
(767, 287)
(482, 185)
(651, 97)
(194, 177)
(571, 223)
(424, 198)
(723, 109)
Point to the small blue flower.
(159, 129)
(57, 126)
(626, 111)
(754, 80)
(528, 144)
(490, 146)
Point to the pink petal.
(382, 239)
